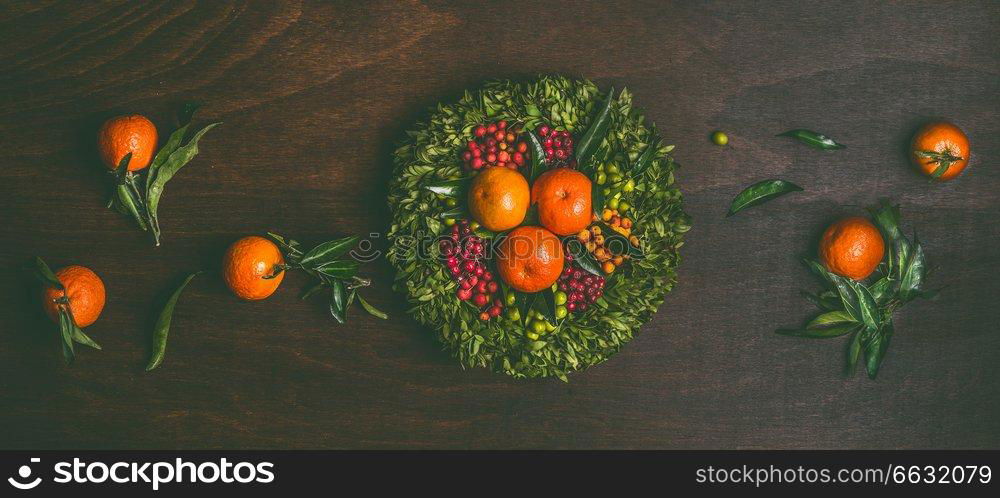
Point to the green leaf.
(312, 291)
(886, 217)
(822, 302)
(876, 349)
(456, 213)
(328, 251)
(831, 318)
(813, 139)
(338, 301)
(80, 337)
(174, 162)
(582, 256)
(162, 328)
(451, 188)
(66, 326)
(372, 310)
(44, 273)
(848, 297)
(538, 165)
(866, 305)
(545, 304)
(853, 353)
(595, 134)
(820, 333)
(122, 170)
(345, 268)
(597, 200)
(645, 160)
(913, 272)
(759, 193)
(185, 116)
(127, 203)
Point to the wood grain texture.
(313, 95)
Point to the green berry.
(615, 178)
(612, 169)
(614, 203)
(449, 222)
(561, 297)
(451, 203)
(561, 312)
(720, 138)
(602, 178)
(538, 326)
(629, 186)
(533, 336)
(510, 298)
(623, 206)
(514, 314)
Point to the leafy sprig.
(864, 313)
(333, 272)
(138, 194)
(69, 333)
(944, 160)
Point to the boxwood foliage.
(430, 154)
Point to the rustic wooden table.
(313, 95)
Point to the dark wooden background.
(313, 95)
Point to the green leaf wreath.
(609, 131)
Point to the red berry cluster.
(581, 287)
(558, 147)
(495, 145)
(465, 253)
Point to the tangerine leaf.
(760, 193)
(162, 328)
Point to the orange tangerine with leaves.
(121, 135)
(852, 248)
(253, 268)
(941, 150)
(83, 294)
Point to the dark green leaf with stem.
(338, 301)
(853, 352)
(944, 160)
(820, 333)
(759, 193)
(597, 199)
(45, 274)
(537, 158)
(867, 306)
(913, 272)
(645, 160)
(327, 252)
(848, 298)
(454, 189)
(342, 269)
(372, 310)
(173, 142)
(456, 213)
(313, 290)
(290, 246)
(81, 338)
(545, 304)
(595, 134)
(831, 318)
(162, 328)
(174, 162)
(66, 326)
(822, 302)
(813, 139)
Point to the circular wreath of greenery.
(430, 155)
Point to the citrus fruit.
(563, 197)
(83, 289)
(939, 142)
(246, 264)
(530, 258)
(123, 134)
(498, 198)
(852, 248)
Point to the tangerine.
(530, 258)
(123, 134)
(84, 291)
(852, 248)
(246, 264)
(563, 197)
